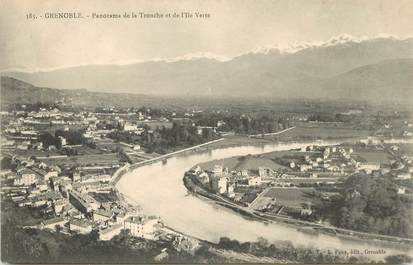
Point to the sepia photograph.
(221, 131)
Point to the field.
(110, 146)
(252, 162)
(290, 153)
(156, 124)
(291, 197)
(302, 132)
(46, 127)
(84, 150)
(373, 156)
(84, 160)
(320, 132)
(298, 181)
(36, 153)
(243, 162)
(407, 149)
(136, 157)
(237, 140)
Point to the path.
(270, 134)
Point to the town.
(62, 165)
(206, 132)
(61, 162)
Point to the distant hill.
(15, 91)
(342, 67)
(391, 79)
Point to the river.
(158, 188)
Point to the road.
(271, 134)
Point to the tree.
(7, 163)
(207, 133)
(370, 204)
(58, 228)
(93, 236)
(47, 139)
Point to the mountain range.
(344, 67)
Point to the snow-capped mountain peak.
(341, 39)
(198, 55)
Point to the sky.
(234, 27)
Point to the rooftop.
(134, 219)
(81, 223)
(53, 221)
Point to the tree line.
(242, 124)
(162, 140)
(368, 204)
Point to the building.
(136, 147)
(219, 184)
(55, 168)
(76, 175)
(306, 212)
(95, 177)
(220, 123)
(100, 215)
(51, 172)
(305, 167)
(231, 190)
(197, 170)
(369, 167)
(129, 127)
(42, 199)
(161, 256)
(371, 140)
(141, 227)
(53, 223)
(59, 205)
(203, 178)
(18, 181)
(23, 146)
(217, 170)
(326, 153)
(254, 181)
(83, 202)
(401, 190)
(264, 172)
(45, 174)
(42, 185)
(404, 175)
(65, 187)
(121, 217)
(28, 177)
(62, 141)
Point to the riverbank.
(225, 142)
(157, 188)
(310, 227)
(129, 167)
